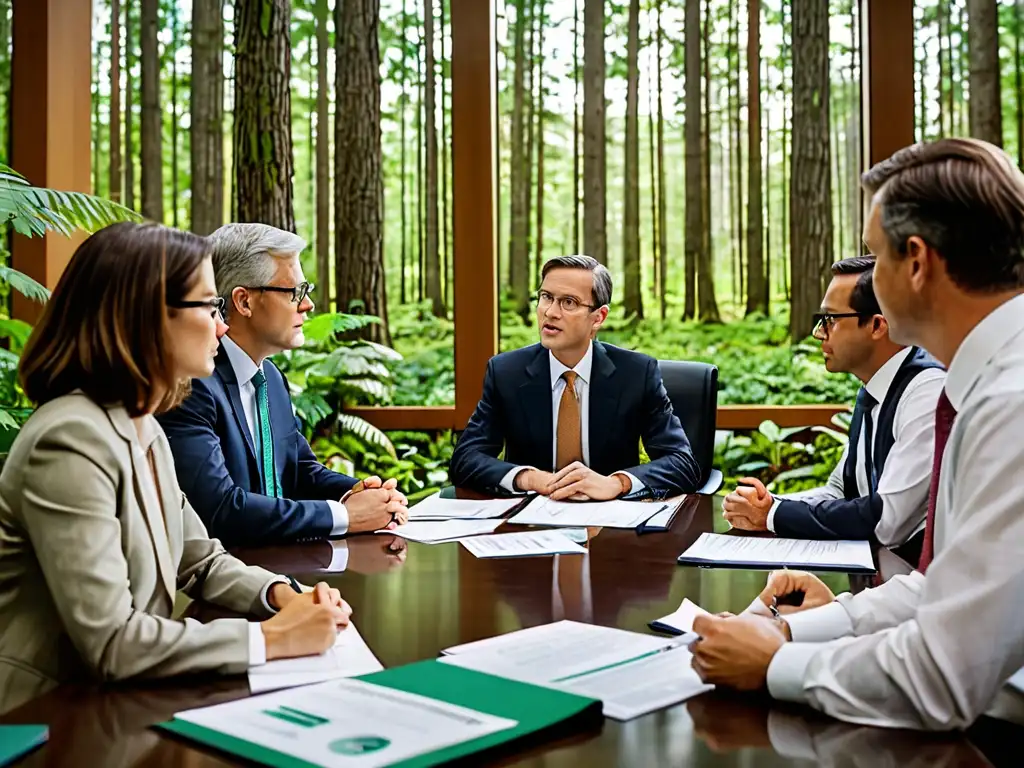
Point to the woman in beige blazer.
(95, 535)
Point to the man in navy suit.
(240, 458)
(570, 412)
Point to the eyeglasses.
(216, 304)
(299, 292)
(826, 321)
(568, 304)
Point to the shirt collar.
(982, 344)
(582, 368)
(878, 385)
(241, 363)
(148, 431)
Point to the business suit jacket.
(628, 403)
(218, 470)
(92, 553)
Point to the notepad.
(680, 621)
(437, 508)
(604, 514)
(440, 531)
(713, 549)
(18, 740)
(349, 657)
(525, 544)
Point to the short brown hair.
(102, 331)
(862, 297)
(965, 199)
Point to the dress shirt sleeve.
(941, 668)
(508, 482)
(257, 645)
(904, 483)
(634, 484)
(340, 515)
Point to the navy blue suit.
(627, 404)
(218, 472)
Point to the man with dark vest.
(879, 489)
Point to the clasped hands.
(747, 508)
(306, 623)
(374, 504)
(574, 482)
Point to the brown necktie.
(568, 440)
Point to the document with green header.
(420, 715)
(18, 740)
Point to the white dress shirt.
(903, 484)
(936, 652)
(583, 371)
(245, 369)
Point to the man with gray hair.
(240, 458)
(570, 412)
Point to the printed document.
(349, 657)
(604, 514)
(348, 722)
(680, 621)
(758, 552)
(436, 508)
(527, 544)
(436, 532)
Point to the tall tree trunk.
(950, 60)
(940, 99)
(519, 219)
(595, 235)
(702, 270)
(787, 168)
(738, 144)
(811, 187)
(768, 194)
(403, 102)
(263, 125)
(1018, 80)
(97, 128)
(323, 160)
(530, 128)
(433, 255)
(662, 203)
(175, 42)
(420, 176)
(358, 180)
(652, 156)
(206, 102)
(576, 126)
(696, 241)
(757, 288)
(853, 143)
(983, 43)
(129, 109)
(152, 115)
(633, 297)
(445, 241)
(539, 238)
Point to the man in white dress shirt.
(879, 488)
(240, 458)
(935, 649)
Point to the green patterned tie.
(271, 485)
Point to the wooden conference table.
(411, 602)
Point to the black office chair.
(693, 390)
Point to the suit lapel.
(282, 420)
(535, 399)
(603, 405)
(222, 366)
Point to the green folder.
(18, 740)
(540, 712)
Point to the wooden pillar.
(50, 122)
(887, 77)
(473, 199)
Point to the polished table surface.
(412, 601)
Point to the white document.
(604, 514)
(526, 544)
(436, 508)
(758, 552)
(589, 660)
(436, 532)
(1017, 681)
(348, 722)
(349, 657)
(680, 621)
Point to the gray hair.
(601, 292)
(244, 254)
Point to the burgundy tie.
(945, 413)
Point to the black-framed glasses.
(824, 322)
(568, 304)
(217, 304)
(299, 292)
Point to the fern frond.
(366, 432)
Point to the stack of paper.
(632, 674)
(349, 657)
(436, 532)
(603, 514)
(758, 552)
(528, 544)
(436, 508)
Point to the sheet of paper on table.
(436, 508)
(349, 657)
(631, 673)
(439, 531)
(605, 514)
(761, 552)
(524, 544)
(680, 621)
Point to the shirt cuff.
(340, 515)
(787, 670)
(265, 594)
(634, 484)
(508, 482)
(339, 556)
(819, 625)
(257, 645)
(770, 522)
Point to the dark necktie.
(869, 404)
(265, 441)
(862, 422)
(945, 414)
